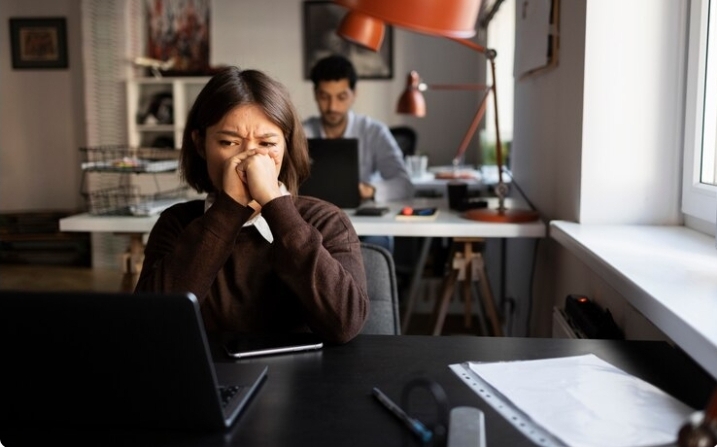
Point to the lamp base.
(506, 215)
(454, 175)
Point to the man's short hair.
(334, 68)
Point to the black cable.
(535, 249)
(530, 292)
(520, 190)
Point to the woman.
(258, 257)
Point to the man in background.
(383, 175)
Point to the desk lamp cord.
(520, 190)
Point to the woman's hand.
(259, 172)
(234, 179)
(252, 176)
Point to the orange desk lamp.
(364, 25)
(411, 102)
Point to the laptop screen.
(334, 171)
(99, 358)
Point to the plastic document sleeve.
(580, 401)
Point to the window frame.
(699, 200)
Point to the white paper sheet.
(587, 402)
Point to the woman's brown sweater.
(311, 278)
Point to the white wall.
(41, 118)
(598, 139)
(546, 155)
(633, 101)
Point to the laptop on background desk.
(110, 359)
(334, 171)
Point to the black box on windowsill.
(593, 321)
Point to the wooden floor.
(56, 278)
(59, 278)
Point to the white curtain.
(112, 34)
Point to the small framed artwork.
(178, 32)
(321, 20)
(38, 43)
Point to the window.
(699, 192)
(500, 36)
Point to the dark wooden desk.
(324, 398)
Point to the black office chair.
(406, 138)
(382, 291)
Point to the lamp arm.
(490, 54)
(471, 129)
(501, 190)
(472, 45)
(457, 87)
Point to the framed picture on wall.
(321, 20)
(178, 31)
(38, 43)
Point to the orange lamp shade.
(455, 19)
(411, 101)
(363, 30)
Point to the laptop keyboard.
(227, 393)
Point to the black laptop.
(115, 360)
(334, 171)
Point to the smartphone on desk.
(371, 211)
(246, 346)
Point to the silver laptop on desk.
(334, 171)
(115, 360)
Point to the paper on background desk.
(583, 401)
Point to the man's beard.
(333, 119)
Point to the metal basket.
(126, 200)
(122, 158)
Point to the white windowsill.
(668, 273)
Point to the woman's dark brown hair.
(232, 87)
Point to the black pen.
(414, 425)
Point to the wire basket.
(122, 158)
(126, 200)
